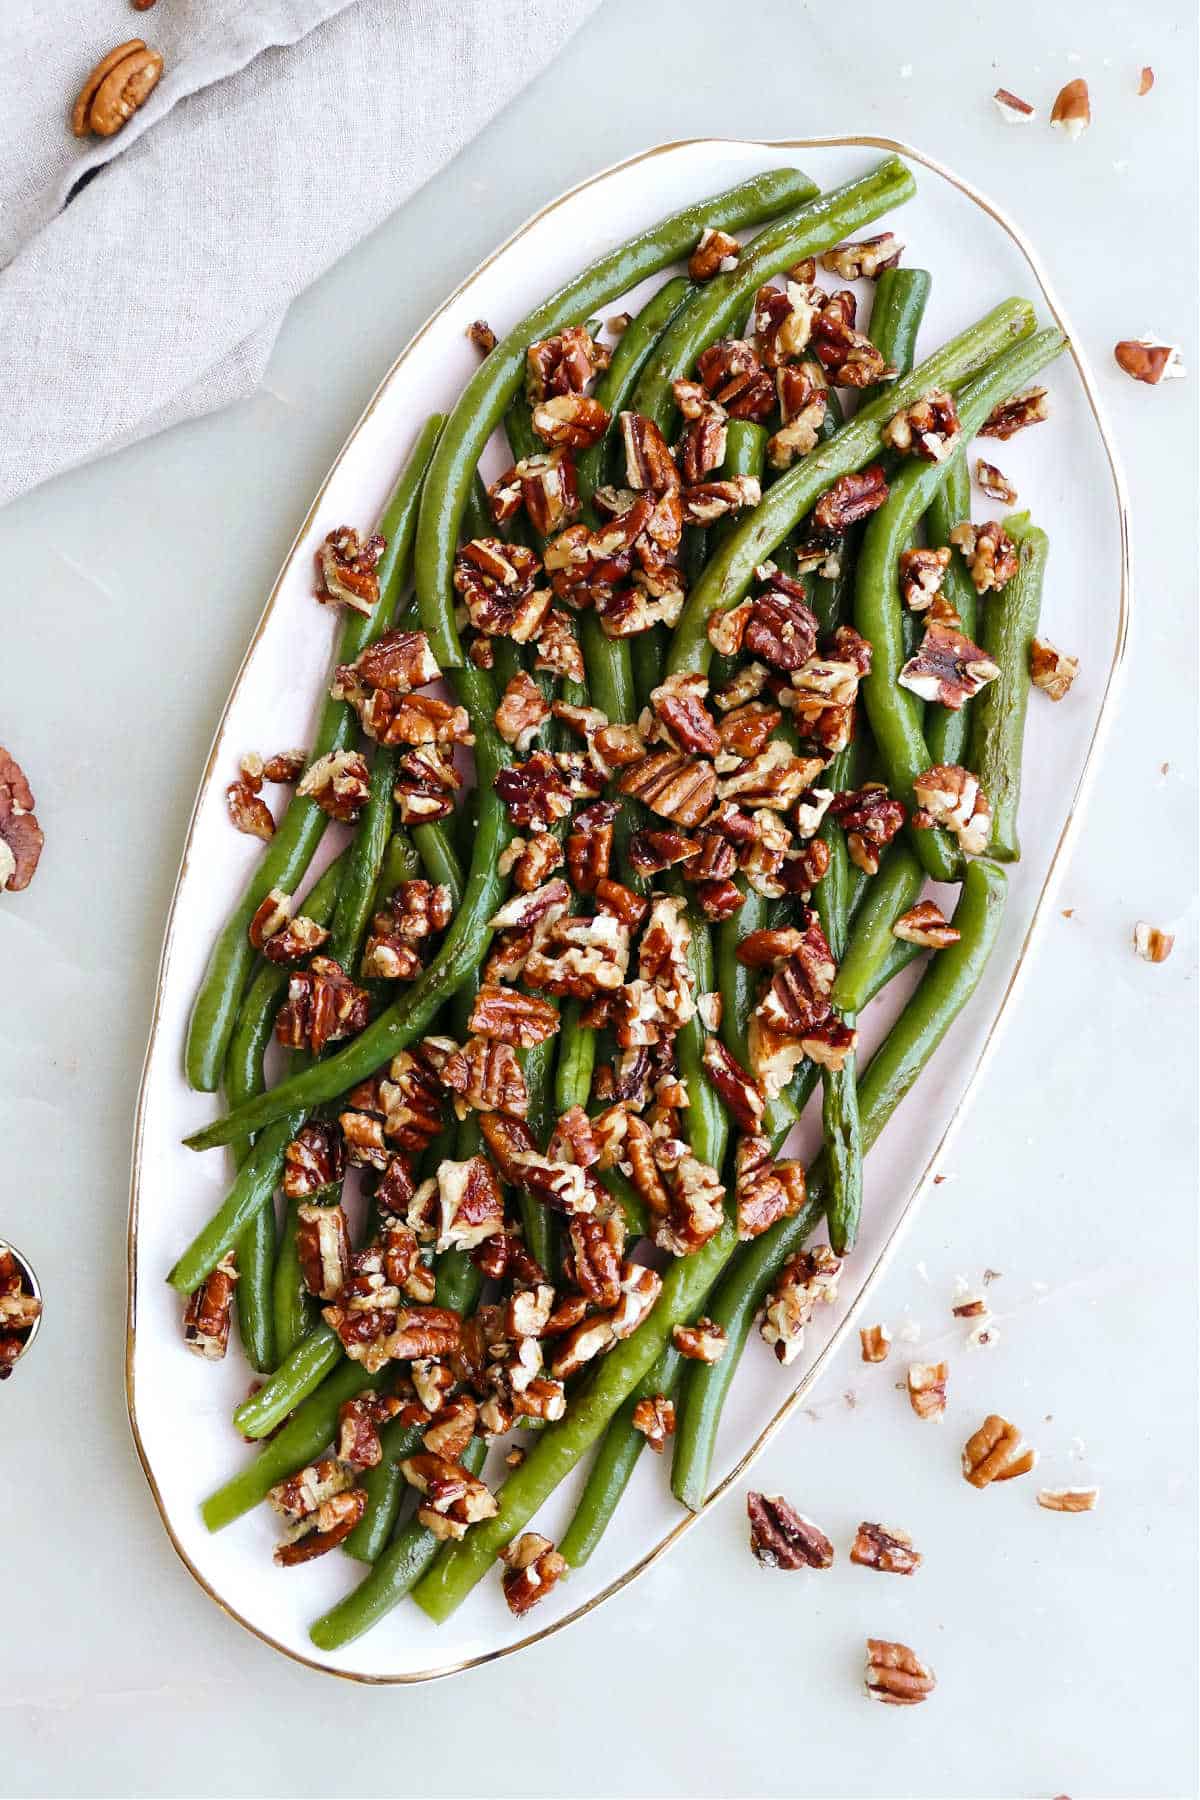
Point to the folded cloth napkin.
(281, 132)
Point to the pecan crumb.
(1068, 1499)
(876, 1341)
(896, 1675)
(996, 485)
(1012, 109)
(1151, 944)
(1148, 359)
(891, 1552)
(532, 1567)
(782, 1538)
(654, 1417)
(927, 1389)
(995, 1453)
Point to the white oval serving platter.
(179, 1406)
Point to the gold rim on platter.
(1054, 870)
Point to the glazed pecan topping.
(995, 1453)
(864, 260)
(589, 846)
(782, 1538)
(453, 1498)
(534, 792)
(779, 627)
(805, 1281)
(775, 778)
(522, 712)
(852, 497)
(470, 1206)
(580, 957)
(384, 675)
(248, 813)
(891, 1552)
(593, 1258)
(651, 851)
(416, 910)
(744, 731)
(714, 254)
(848, 358)
(928, 428)
(694, 1211)
(803, 403)
(531, 861)
(314, 1160)
(736, 379)
(347, 570)
(572, 421)
(896, 1675)
(329, 1523)
(511, 1017)
(496, 581)
(272, 915)
(209, 1312)
(702, 1342)
(925, 924)
(679, 705)
(740, 1093)
(339, 783)
(323, 1249)
(782, 322)
(989, 553)
(870, 818)
(358, 1441)
(995, 485)
(488, 1077)
(654, 1417)
(950, 795)
(765, 1190)
(701, 447)
(707, 501)
(1011, 416)
(649, 465)
(1051, 670)
(927, 1389)
(625, 906)
(876, 1342)
(562, 364)
(323, 1005)
(482, 336)
(545, 485)
(675, 786)
(921, 576)
(532, 1567)
(297, 939)
(947, 668)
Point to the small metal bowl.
(32, 1286)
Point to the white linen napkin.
(281, 132)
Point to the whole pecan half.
(896, 1675)
(116, 87)
(21, 837)
(852, 497)
(948, 668)
(995, 1453)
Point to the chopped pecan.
(1068, 1499)
(740, 1093)
(675, 786)
(358, 1441)
(615, 898)
(392, 667)
(870, 818)
(765, 1190)
(209, 1312)
(1011, 416)
(993, 483)
(735, 378)
(947, 668)
(864, 260)
(921, 576)
(1145, 359)
(876, 1342)
(482, 336)
(782, 1538)
(322, 1006)
(702, 1342)
(995, 1453)
(363, 1139)
(707, 501)
(565, 1187)
(572, 421)
(890, 1552)
(593, 1262)
(803, 403)
(896, 1675)
(506, 1141)
(926, 924)
(928, 428)
(487, 1076)
(534, 792)
(804, 868)
(580, 1345)
(806, 1280)
(1012, 109)
(285, 766)
(347, 569)
(663, 959)
(1151, 944)
(852, 497)
(562, 364)
(679, 704)
(848, 358)
(654, 1417)
(329, 1526)
(652, 851)
(744, 731)
(248, 813)
(774, 778)
(511, 1017)
(532, 1567)
(522, 712)
(649, 465)
(496, 581)
(927, 1389)
(950, 795)
(531, 860)
(701, 447)
(339, 783)
(1072, 109)
(715, 859)
(453, 1498)
(470, 1204)
(549, 490)
(829, 1043)
(714, 254)
(298, 939)
(779, 628)
(694, 1211)
(409, 1099)
(414, 719)
(314, 1160)
(451, 1428)
(272, 915)
(580, 957)
(589, 846)
(1051, 670)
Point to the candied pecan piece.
(852, 497)
(765, 1190)
(314, 1160)
(675, 786)
(593, 1260)
(298, 939)
(470, 1204)
(780, 628)
(615, 898)
(589, 846)
(496, 581)
(488, 1077)
(531, 860)
(580, 957)
(864, 260)
(1068, 1499)
(651, 851)
(803, 403)
(947, 668)
(989, 553)
(707, 501)
(994, 484)
(322, 1006)
(1147, 360)
(534, 792)
(995, 1453)
(829, 1043)
(701, 447)
(628, 611)
(702, 1342)
(950, 795)
(21, 837)
(876, 1342)
(679, 704)
(1011, 416)
(339, 783)
(532, 1567)
(649, 465)
(590, 1338)
(549, 490)
(715, 253)
(414, 719)
(565, 1187)
(209, 1312)
(347, 570)
(806, 1280)
(782, 322)
(744, 731)
(694, 1211)
(573, 421)
(359, 1419)
(782, 1538)
(921, 576)
(735, 378)
(928, 428)
(870, 818)
(562, 364)
(927, 1389)
(453, 1498)
(896, 1675)
(330, 1526)
(1051, 670)
(654, 1417)
(451, 1428)
(891, 1552)
(1151, 944)
(248, 813)
(512, 1017)
(272, 915)
(482, 336)
(394, 664)
(926, 924)
(740, 1093)
(506, 1141)
(775, 778)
